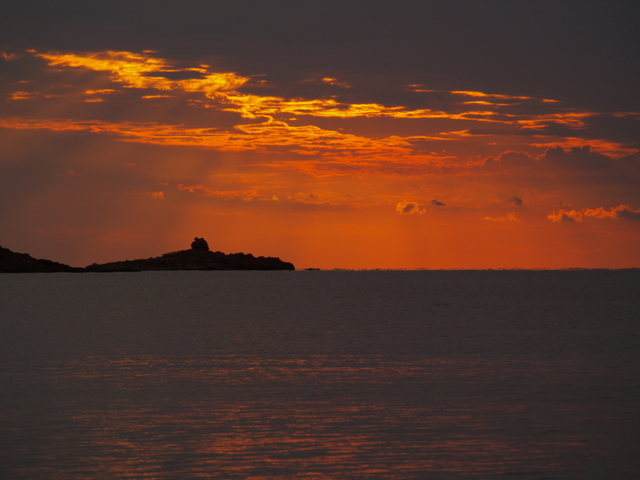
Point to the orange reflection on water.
(345, 416)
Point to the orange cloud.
(146, 72)
(306, 140)
(621, 211)
(341, 152)
(482, 102)
(9, 56)
(335, 82)
(22, 95)
(573, 120)
(98, 92)
(509, 217)
(409, 208)
(481, 94)
(247, 195)
(136, 71)
(221, 91)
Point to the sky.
(335, 134)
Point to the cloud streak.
(509, 217)
(624, 212)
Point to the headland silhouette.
(199, 257)
(13, 262)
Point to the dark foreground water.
(178, 375)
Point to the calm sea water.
(380, 374)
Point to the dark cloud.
(576, 161)
(628, 214)
(620, 128)
(577, 158)
(569, 175)
(504, 162)
(436, 203)
(516, 201)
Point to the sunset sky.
(332, 134)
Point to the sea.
(494, 374)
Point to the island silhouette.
(199, 257)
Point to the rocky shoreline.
(194, 259)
